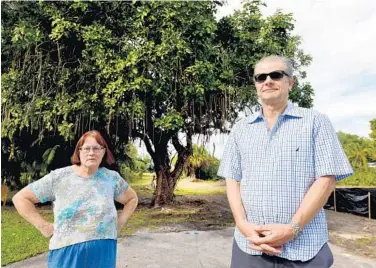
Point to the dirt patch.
(211, 212)
(356, 234)
(346, 223)
(200, 184)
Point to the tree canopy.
(146, 70)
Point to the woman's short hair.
(108, 157)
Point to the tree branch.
(145, 138)
(183, 152)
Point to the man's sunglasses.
(275, 76)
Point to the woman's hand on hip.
(46, 229)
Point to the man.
(281, 165)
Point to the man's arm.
(247, 229)
(236, 204)
(313, 201)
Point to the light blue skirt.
(91, 254)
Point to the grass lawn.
(184, 187)
(19, 239)
(143, 186)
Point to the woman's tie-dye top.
(83, 208)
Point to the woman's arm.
(129, 200)
(24, 202)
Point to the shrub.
(209, 172)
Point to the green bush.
(209, 172)
(361, 178)
(130, 175)
(134, 166)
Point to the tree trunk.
(167, 180)
(164, 192)
(192, 173)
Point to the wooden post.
(4, 193)
(369, 205)
(335, 201)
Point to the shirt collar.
(289, 111)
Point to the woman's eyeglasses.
(96, 149)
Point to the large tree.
(147, 70)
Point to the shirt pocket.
(295, 160)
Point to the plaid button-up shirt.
(277, 167)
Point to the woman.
(86, 223)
